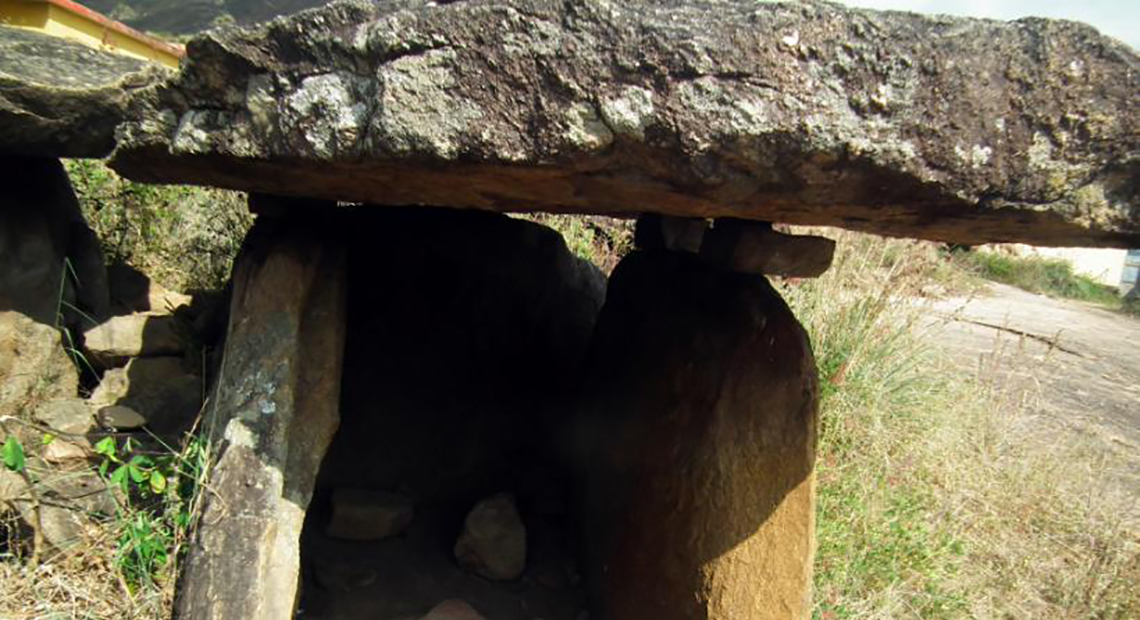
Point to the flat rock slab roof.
(954, 129)
(59, 98)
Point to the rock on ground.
(453, 610)
(944, 128)
(121, 418)
(67, 415)
(158, 389)
(33, 364)
(134, 335)
(65, 505)
(368, 515)
(493, 542)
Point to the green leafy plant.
(13, 454)
(139, 471)
(162, 492)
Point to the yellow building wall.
(23, 14)
(59, 22)
(62, 23)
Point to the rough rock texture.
(33, 364)
(134, 335)
(67, 415)
(276, 413)
(699, 438)
(368, 515)
(945, 128)
(453, 610)
(66, 503)
(493, 542)
(62, 99)
(46, 247)
(120, 418)
(157, 388)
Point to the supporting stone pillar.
(276, 410)
(41, 227)
(702, 433)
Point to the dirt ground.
(1074, 368)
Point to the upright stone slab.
(703, 418)
(50, 260)
(276, 412)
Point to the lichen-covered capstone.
(946, 128)
(62, 99)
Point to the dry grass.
(79, 584)
(936, 497)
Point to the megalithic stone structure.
(274, 414)
(700, 427)
(959, 130)
(699, 430)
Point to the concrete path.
(1075, 366)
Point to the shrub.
(183, 237)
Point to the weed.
(13, 454)
(161, 490)
(598, 239)
(184, 237)
(932, 501)
(1049, 276)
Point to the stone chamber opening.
(449, 477)
(436, 409)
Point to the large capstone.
(59, 98)
(937, 127)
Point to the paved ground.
(1076, 367)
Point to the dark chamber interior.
(464, 342)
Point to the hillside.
(185, 17)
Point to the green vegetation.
(600, 240)
(13, 454)
(183, 237)
(933, 502)
(161, 491)
(126, 566)
(1036, 274)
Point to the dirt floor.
(1073, 367)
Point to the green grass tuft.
(1047, 276)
